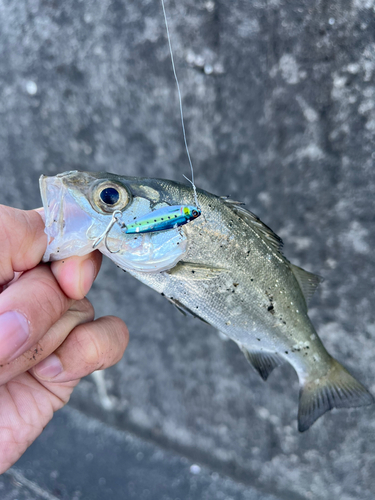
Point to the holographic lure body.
(163, 218)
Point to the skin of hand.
(48, 337)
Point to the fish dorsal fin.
(264, 362)
(261, 229)
(308, 282)
(231, 202)
(193, 271)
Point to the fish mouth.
(66, 224)
(73, 225)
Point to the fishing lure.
(158, 220)
(164, 218)
(116, 216)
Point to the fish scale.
(255, 285)
(226, 267)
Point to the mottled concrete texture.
(279, 99)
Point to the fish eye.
(109, 196)
(195, 213)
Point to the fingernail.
(87, 276)
(14, 333)
(49, 367)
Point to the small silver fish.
(226, 267)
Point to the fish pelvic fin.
(336, 389)
(184, 310)
(263, 362)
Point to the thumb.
(76, 274)
(23, 241)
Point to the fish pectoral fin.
(264, 362)
(335, 389)
(308, 282)
(193, 271)
(185, 310)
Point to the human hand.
(48, 339)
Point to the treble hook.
(116, 216)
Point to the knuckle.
(102, 343)
(89, 349)
(84, 308)
(51, 300)
(47, 304)
(121, 338)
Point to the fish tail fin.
(336, 389)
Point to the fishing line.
(181, 111)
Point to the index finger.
(23, 241)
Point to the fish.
(226, 268)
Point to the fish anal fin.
(193, 271)
(308, 282)
(337, 389)
(264, 362)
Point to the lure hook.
(116, 216)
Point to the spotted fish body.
(163, 218)
(226, 268)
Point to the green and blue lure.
(159, 220)
(163, 218)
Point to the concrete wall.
(280, 113)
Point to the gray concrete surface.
(110, 463)
(280, 113)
